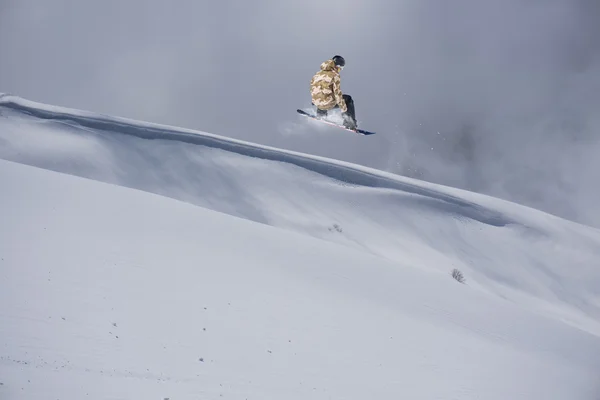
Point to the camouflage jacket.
(325, 87)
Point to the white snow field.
(193, 266)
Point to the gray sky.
(495, 96)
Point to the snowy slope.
(341, 290)
(111, 293)
(518, 253)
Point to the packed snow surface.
(193, 266)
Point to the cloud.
(498, 97)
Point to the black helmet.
(339, 61)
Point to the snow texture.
(240, 271)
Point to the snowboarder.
(327, 94)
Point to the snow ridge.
(345, 172)
(411, 222)
(273, 274)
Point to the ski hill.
(140, 260)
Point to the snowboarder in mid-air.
(327, 94)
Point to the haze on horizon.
(499, 97)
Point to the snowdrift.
(518, 253)
(314, 278)
(109, 292)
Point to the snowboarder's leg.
(350, 114)
(350, 105)
(321, 113)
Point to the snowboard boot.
(349, 123)
(321, 113)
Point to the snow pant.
(349, 104)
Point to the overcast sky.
(496, 96)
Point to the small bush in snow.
(456, 274)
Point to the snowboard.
(359, 131)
